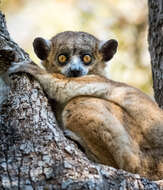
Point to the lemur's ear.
(41, 47)
(108, 49)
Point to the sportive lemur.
(115, 123)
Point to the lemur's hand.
(27, 67)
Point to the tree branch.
(34, 154)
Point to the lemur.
(115, 123)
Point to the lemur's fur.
(115, 123)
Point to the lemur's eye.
(62, 59)
(87, 59)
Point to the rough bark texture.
(34, 154)
(155, 38)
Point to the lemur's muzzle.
(74, 73)
(76, 68)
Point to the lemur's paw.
(24, 66)
(17, 67)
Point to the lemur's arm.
(63, 89)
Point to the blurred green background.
(124, 20)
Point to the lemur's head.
(74, 54)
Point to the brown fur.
(117, 124)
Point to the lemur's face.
(74, 54)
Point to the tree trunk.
(34, 154)
(155, 38)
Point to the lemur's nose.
(74, 73)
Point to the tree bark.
(155, 38)
(34, 154)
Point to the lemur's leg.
(104, 136)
